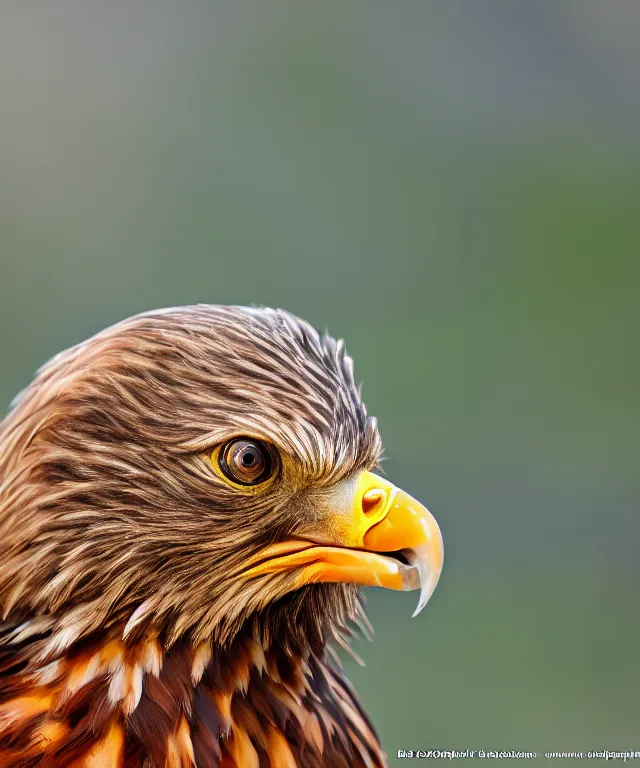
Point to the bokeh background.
(454, 188)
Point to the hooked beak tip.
(428, 563)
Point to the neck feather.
(137, 704)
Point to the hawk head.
(201, 471)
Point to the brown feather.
(126, 634)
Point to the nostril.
(372, 501)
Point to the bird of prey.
(188, 507)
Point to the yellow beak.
(357, 521)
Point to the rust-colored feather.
(302, 718)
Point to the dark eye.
(245, 461)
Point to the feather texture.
(107, 706)
(127, 636)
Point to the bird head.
(199, 471)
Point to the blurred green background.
(452, 187)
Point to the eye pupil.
(249, 459)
